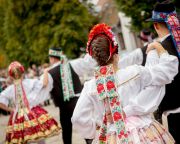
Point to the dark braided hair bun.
(100, 50)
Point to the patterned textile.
(25, 124)
(66, 77)
(173, 25)
(54, 53)
(153, 134)
(106, 88)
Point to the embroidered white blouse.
(131, 81)
(35, 92)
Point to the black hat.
(55, 52)
(161, 10)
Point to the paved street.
(54, 140)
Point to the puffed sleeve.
(85, 65)
(135, 57)
(149, 98)
(6, 95)
(38, 93)
(146, 102)
(84, 120)
(160, 74)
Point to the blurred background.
(28, 28)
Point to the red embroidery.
(117, 116)
(110, 85)
(103, 70)
(100, 88)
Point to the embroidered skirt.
(155, 133)
(34, 125)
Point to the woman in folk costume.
(108, 97)
(28, 122)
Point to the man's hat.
(55, 52)
(161, 10)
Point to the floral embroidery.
(100, 88)
(173, 26)
(110, 85)
(66, 78)
(117, 116)
(103, 70)
(106, 88)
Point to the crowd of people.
(116, 105)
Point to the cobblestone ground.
(54, 140)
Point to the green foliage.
(3, 60)
(139, 11)
(30, 27)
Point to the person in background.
(66, 87)
(26, 95)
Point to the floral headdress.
(102, 30)
(15, 69)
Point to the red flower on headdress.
(100, 88)
(102, 30)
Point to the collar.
(163, 38)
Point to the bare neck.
(163, 33)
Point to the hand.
(46, 70)
(152, 46)
(156, 45)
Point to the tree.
(31, 27)
(139, 11)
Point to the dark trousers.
(66, 112)
(174, 126)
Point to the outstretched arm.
(162, 73)
(5, 96)
(148, 100)
(85, 65)
(45, 78)
(135, 57)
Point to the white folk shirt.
(35, 92)
(89, 110)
